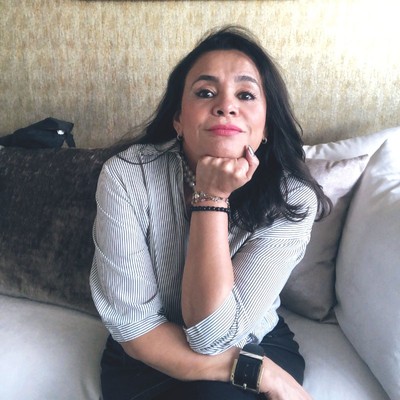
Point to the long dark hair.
(264, 197)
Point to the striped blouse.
(141, 234)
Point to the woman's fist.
(221, 176)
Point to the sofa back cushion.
(352, 147)
(310, 290)
(47, 209)
(368, 268)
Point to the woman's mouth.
(225, 130)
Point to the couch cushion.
(47, 208)
(316, 272)
(368, 273)
(349, 148)
(334, 370)
(310, 290)
(49, 352)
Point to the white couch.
(352, 348)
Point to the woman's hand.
(277, 384)
(221, 176)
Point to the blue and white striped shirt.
(141, 234)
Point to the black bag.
(48, 133)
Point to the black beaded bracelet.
(209, 208)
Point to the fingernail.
(251, 151)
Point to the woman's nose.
(224, 107)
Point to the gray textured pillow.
(47, 209)
(310, 290)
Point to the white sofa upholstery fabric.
(368, 268)
(48, 352)
(334, 370)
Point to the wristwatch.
(247, 369)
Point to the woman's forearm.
(166, 349)
(208, 274)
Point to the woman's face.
(223, 106)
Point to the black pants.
(124, 378)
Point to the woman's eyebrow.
(208, 78)
(246, 78)
(239, 78)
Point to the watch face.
(247, 369)
(250, 370)
(247, 372)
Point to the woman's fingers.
(252, 160)
(221, 176)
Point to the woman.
(199, 225)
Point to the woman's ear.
(177, 123)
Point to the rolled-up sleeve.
(261, 267)
(124, 288)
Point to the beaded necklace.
(188, 175)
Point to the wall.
(103, 64)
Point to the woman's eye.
(204, 93)
(246, 96)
